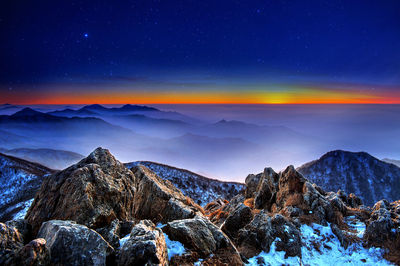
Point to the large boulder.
(145, 246)
(203, 237)
(74, 244)
(159, 200)
(93, 192)
(263, 230)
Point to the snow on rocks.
(321, 247)
(201, 189)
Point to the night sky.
(199, 51)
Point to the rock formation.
(74, 244)
(98, 212)
(93, 192)
(159, 200)
(145, 246)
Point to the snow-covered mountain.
(355, 172)
(19, 181)
(54, 159)
(202, 189)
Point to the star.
(86, 35)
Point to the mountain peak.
(100, 156)
(95, 107)
(27, 112)
(131, 107)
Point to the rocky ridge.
(98, 212)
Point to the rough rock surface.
(200, 235)
(145, 246)
(10, 242)
(266, 189)
(74, 244)
(259, 234)
(159, 200)
(384, 222)
(292, 195)
(93, 192)
(34, 253)
(241, 216)
(111, 233)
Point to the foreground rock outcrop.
(200, 235)
(145, 246)
(74, 244)
(98, 212)
(94, 192)
(159, 200)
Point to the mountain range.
(146, 133)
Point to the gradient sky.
(65, 52)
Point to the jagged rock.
(10, 242)
(251, 182)
(145, 246)
(159, 200)
(291, 184)
(74, 244)
(241, 216)
(259, 234)
(200, 235)
(34, 253)
(93, 192)
(266, 189)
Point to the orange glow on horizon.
(290, 96)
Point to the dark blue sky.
(95, 41)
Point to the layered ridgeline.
(201, 189)
(20, 180)
(355, 172)
(99, 212)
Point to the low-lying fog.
(220, 141)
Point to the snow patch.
(25, 207)
(123, 240)
(174, 247)
(329, 251)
